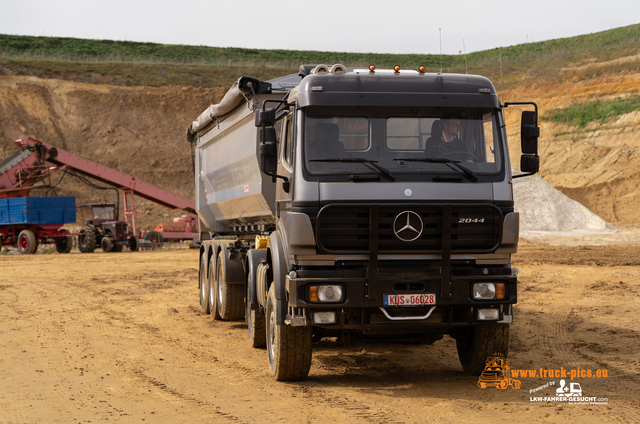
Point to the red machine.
(20, 172)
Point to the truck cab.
(385, 202)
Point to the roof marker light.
(372, 68)
(396, 69)
(421, 69)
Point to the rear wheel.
(87, 239)
(27, 242)
(106, 244)
(230, 301)
(64, 244)
(288, 348)
(255, 321)
(204, 284)
(476, 344)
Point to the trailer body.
(26, 222)
(334, 204)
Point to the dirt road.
(120, 337)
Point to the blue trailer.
(26, 222)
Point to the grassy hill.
(129, 63)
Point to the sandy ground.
(120, 337)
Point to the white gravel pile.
(543, 208)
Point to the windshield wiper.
(474, 177)
(373, 163)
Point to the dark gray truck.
(360, 203)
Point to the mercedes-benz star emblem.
(408, 226)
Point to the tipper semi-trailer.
(351, 202)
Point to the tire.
(288, 348)
(87, 239)
(480, 342)
(27, 242)
(106, 245)
(116, 247)
(155, 238)
(230, 297)
(212, 299)
(64, 244)
(204, 284)
(256, 321)
(134, 244)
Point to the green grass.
(602, 111)
(131, 63)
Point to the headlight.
(326, 294)
(488, 291)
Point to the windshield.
(102, 212)
(407, 143)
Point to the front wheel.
(134, 243)
(27, 242)
(288, 348)
(106, 244)
(476, 344)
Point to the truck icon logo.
(408, 226)
(497, 373)
(574, 389)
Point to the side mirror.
(267, 117)
(529, 133)
(268, 150)
(529, 163)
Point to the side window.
(287, 148)
(489, 137)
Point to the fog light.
(326, 294)
(324, 317)
(488, 314)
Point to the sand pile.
(543, 208)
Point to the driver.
(449, 142)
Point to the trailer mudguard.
(233, 268)
(254, 258)
(280, 270)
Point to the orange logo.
(497, 373)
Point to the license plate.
(409, 299)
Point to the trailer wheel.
(87, 239)
(230, 301)
(155, 238)
(134, 243)
(480, 342)
(204, 284)
(288, 348)
(212, 291)
(64, 244)
(106, 244)
(27, 242)
(255, 322)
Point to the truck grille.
(349, 228)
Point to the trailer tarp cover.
(241, 90)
